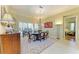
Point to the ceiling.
(34, 11)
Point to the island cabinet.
(10, 43)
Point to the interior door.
(70, 28)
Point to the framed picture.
(48, 25)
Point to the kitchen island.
(10, 43)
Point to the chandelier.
(40, 17)
(6, 18)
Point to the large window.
(27, 27)
(30, 26)
(36, 27)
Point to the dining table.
(37, 35)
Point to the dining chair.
(42, 35)
(46, 35)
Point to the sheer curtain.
(27, 27)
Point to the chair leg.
(29, 40)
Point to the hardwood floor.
(68, 37)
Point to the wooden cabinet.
(10, 43)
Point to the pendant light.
(7, 18)
(41, 8)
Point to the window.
(30, 26)
(27, 27)
(72, 26)
(36, 26)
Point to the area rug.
(35, 47)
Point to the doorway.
(70, 28)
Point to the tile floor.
(63, 47)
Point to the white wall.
(52, 31)
(59, 18)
